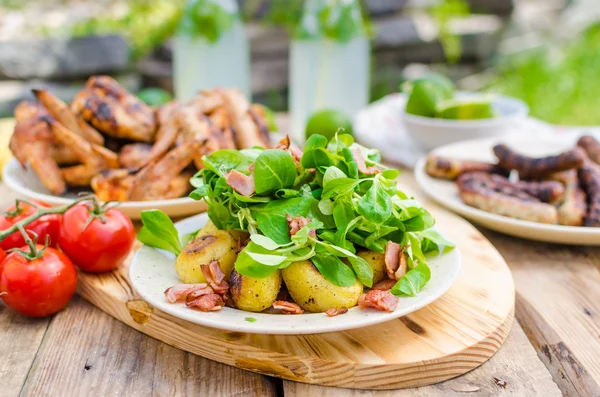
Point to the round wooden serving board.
(452, 336)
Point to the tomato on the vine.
(37, 282)
(47, 225)
(95, 238)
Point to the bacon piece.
(215, 277)
(362, 165)
(384, 285)
(181, 291)
(380, 300)
(395, 262)
(298, 223)
(241, 183)
(195, 294)
(287, 307)
(207, 303)
(336, 312)
(285, 144)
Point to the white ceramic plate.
(153, 271)
(25, 183)
(446, 192)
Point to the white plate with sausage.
(152, 271)
(446, 192)
(26, 184)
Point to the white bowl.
(430, 132)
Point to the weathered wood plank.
(557, 288)
(20, 339)
(87, 352)
(515, 366)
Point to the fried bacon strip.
(380, 300)
(207, 303)
(395, 262)
(573, 209)
(538, 167)
(361, 162)
(336, 312)
(591, 146)
(287, 307)
(241, 183)
(180, 292)
(476, 190)
(447, 168)
(298, 223)
(590, 179)
(215, 277)
(384, 285)
(285, 144)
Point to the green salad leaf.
(335, 210)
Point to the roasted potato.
(254, 294)
(377, 262)
(313, 293)
(209, 244)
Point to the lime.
(327, 122)
(466, 110)
(426, 93)
(154, 96)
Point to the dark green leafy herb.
(413, 281)
(159, 231)
(336, 209)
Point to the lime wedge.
(426, 93)
(463, 110)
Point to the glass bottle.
(210, 49)
(329, 62)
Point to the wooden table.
(554, 347)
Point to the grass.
(561, 85)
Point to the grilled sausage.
(477, 190)
(573, 209)
(590, 180)
(591, 147)
(447, 168)
(546, 191)
(538, 167)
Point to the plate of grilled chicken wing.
(540, 189)
(107, 141)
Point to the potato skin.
(313, 293)
(254, 294)
(377, 262)
(209, 244)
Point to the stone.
(63, 58)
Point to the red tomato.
(38, 287)
(99, 247)
(48, 225)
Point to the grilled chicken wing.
(63, 114)
(94, 158)
(114, 111)
(154, 180)
(32, 142)
(246, 131)
(135, 155)
(112, 185)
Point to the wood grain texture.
(20, 339)
(559, 307)
(446, 339)
(86, 352)
(515, 364)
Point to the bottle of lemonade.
(210, 49)
(329, 62)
